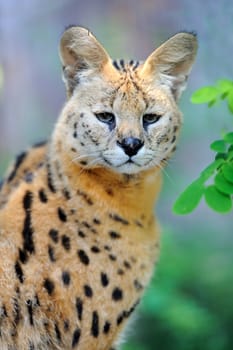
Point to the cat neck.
(125, 193)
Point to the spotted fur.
(78, 236)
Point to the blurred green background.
(188, 305)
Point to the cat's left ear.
(171, 63)
(80, 53)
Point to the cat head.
(122, 115)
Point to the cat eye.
(105, 117)
(150, 118)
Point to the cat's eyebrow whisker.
(166, 174)
(84, 156)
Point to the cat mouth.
(129, 161)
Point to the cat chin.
(129, 168)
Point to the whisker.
(93, 154)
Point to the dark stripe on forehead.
(122, 65)
(115, 64)
(138, 88)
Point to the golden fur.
(78, 236)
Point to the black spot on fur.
(30, 311)
(95, 324)
(61, 214)
(126, 313)
(120, 272)
(120, 318)
(19, 160)
(42, 196)
(66, 325)
(76, 337)
(95, 249)
(127, 265)
(16, 308)
(85, 196)
(66, 278)
(81, 234)
(138, 223)
(28, 243)
(117, 294)
(23, 256)
(115, 64)
(58, 333)
(104, 279)
(109, 191)
(96, 221)
(19, 272)
(138, 286)
(49, 286)
(112, 257)
(79, 308)
(51, 253)
(66, 193)
(50, 180)
(88, 291)
(85, 224)
(54, 235)
(65, 240)
(83, 257)
(114, 235)
(31, 346)
(3, 311)
(118, 218)
(27, 200)
(107, 327)
(37, 301)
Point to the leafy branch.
(215, 182)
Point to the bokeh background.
(188, 305)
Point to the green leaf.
(218, 146)
(209, 170)
(223, 96)
(227, 170)
(205, 95)
(225, 86)
(222, 184)
(221, 156)
(216, 200)
(211, 103)
(230, 101)
(229, 156)
(228, 138)
(190, 198)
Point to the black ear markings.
(192, 32)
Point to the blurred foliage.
(189, 303)
(218, 194)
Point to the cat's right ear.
(81, 55)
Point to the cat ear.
(80, 53)
(171, 63)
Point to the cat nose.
(131, 145)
